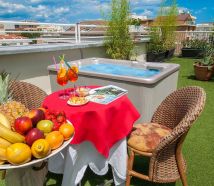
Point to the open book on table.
(106, 94)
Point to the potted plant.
(194, 48)
(155, 50)
(204, 68)
(118, 43)
(166, 21)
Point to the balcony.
(28, 58)
(29, 63)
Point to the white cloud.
(35, 1)
(183, 9)
(145, 2)
(11, 5)
(61, 10)
(148, 13)
(69, 11)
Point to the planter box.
(151, 57)
(192, 52)
(169, 53)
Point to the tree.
(32, 36)
(118, 42)
(166, 21)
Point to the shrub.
(208, 59)
(118, 42)
(195, 43)
(155, 45)
(166, 22)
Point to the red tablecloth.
(103, 125)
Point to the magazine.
(106, 94)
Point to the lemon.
(40, 148)
(18, 153)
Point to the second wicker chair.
(162, 139)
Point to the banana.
(3, 154)
(4, 121)
(4, 143)
(9, 135)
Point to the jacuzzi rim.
(166, 70)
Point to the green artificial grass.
(198, 148)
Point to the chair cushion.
(147, 136)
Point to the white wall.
(32, 67)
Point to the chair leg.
(130, 166)
(181, 170)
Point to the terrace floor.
(198, 147)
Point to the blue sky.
(71, 11)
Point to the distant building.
(147, 22)
(91, 28)
(140, 17)
(28, 26)
(9, 26)
(205, 26)
(50, 28)
(184, 22)
(12, 37)
(2, 29)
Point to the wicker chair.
(28, 94)
(177, 112)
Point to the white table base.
(26, 176)
(73, 161)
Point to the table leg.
(26, 177)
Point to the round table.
(103, 128)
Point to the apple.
(36, 115)
(45, 126)
(33, 135)
(23, 124)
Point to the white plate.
(32, 162)
(74, 104)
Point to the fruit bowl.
(34, 161)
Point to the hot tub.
(147, 83)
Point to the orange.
(66, 130)
(18, 153)
(55, 139)
(40, 148)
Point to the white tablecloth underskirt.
(73, 161)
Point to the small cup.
(82, 91)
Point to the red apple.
(36, 115)
(33, 135)
(23, 124)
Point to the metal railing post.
(76, 33)
(79, 34)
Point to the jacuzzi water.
(122, 70)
